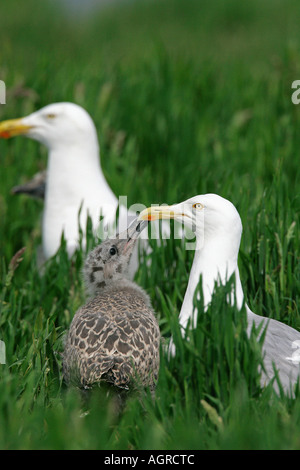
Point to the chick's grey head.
(108, 262)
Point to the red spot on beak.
(5, 135)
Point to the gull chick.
(115, 337)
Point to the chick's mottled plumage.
(115, 336)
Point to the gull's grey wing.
(35, 187)
(281, 348)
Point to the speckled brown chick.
(114, 337)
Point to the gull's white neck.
(215, 262)
(74, 180)
(77, 168)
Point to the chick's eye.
(113, 251)
(198, 205)
(50, 116)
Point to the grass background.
(188, 98)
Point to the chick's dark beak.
(131, 234)
(135, 229)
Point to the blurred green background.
(188, 97)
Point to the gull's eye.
(113, 251)
(198, 206)
(51, 116)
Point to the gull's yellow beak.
(13, 127)
(158, 212)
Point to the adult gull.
(218, 229)
(74, 178)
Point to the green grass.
(186, 100)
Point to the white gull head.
(218, 229)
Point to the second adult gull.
(218, 229)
